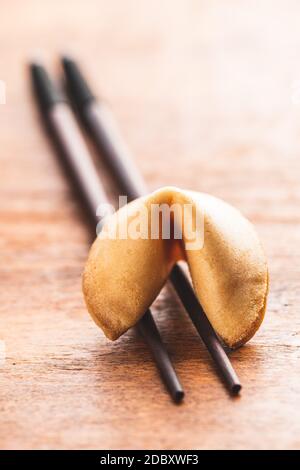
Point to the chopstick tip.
(236, 388)
(179, 396)
(67, 59)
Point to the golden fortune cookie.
(125, 273)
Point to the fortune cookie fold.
(125, 272)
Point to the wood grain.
(205, 95)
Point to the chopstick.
(75, 156)
(99, 123)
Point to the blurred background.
(189, 82)
(207, 95)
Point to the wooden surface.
(204, 94)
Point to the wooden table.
(207, 95)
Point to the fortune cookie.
(127, 266)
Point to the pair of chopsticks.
(99, 124)
(74, 156)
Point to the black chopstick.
(99, 123)
(72, 149)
